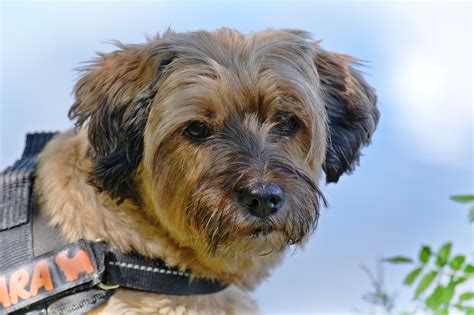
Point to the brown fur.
(130, 177)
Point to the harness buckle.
(107, 287)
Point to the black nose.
(262, 200)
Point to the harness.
(41, 275)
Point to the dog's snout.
(262, 200)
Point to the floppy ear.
(351, 108)
(113, 98)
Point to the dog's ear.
(351, 108)
(113, 99)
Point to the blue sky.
(419, 59)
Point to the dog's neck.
(80, 212)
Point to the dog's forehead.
(231, 48)
(215, 73)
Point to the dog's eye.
(197, 131)
(286, 125)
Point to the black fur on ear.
(352, 113)
(114, 96)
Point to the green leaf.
(469, 270)
(425, 254)
(463, 198)
(434, 300)
(447, 294)
(399, 260)
(466, 296)
(457, 262)
(469, 310)
(459, 306)
(425, 283)
(470, 216)
(410, 278)
(459, 280)
(443, 254)
(440, 298)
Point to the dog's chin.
(256, 242)
(244, 235)
(267, 239)
(261, 232)
(265, 242)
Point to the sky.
(418, 57)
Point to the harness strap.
(134, 271)
(84, 265)
(16, 203)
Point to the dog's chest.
(229, 301)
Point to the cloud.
(430, 79)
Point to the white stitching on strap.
(156, 270)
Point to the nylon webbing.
(16, 202)
(138, 272)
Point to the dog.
(205, 149)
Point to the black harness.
(39, 274)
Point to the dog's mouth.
(262, 231)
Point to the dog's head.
(223, 137)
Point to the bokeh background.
(419, 58)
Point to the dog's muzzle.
(262, 199)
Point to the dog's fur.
(129, 175)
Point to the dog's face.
(223, 137)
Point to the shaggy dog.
(205, 149)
